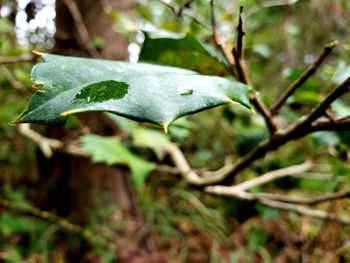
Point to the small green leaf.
(149, 138)
(142, 92)
(111, 151)
(181, 51)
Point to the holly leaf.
(142, 92)
(181, 51)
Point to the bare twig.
(49, 145)
(219, 42)
(186, 171)
(304, 201)
(18, 59)
(46, 145)
(321, 177)
(61, 222)
(214, 177)
(242, 76)
(11, 79)
(240, 34)
(263, 179)
(83, 33)
(278, 201)
(240, 68)
(342, 124)
(297, 131)
(266, 4)
(329, 114)
(304, 211)
(184, 10)
(167, 169)
(40, 214)
(319, 110)
(264, 111)
(304, 77)
(273, 175)
(182, 7)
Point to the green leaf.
(111, 151)
(142, 92)
(144, 137)
(152, 139)
(342, 73)
(181, 51)
(6, 27)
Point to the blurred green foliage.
(280, 42)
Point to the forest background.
(68, 196)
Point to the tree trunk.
(75, 178)
(83, 175)
(79, 181)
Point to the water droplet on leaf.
(183, 90)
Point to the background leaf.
(111, 151)
(184, 51)
(149, 138)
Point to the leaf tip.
(165, 126)
(230, 101)
(38, 84)
(15, 121)
(69, 112)
(38, 53)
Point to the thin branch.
(49, 145)
(329, 114)
(46, 145)
(185, 11)
(297, 131)
(321, 177)
(208, 178)
(263, 179)
(184, 6)
(18, 59)
(264, 111)
(301, 210)
(219, 42)
(240, 34)
(304, 201)
(82, 31)
(61, 222)
(162, 168)
(273, 175)
(36, 212)
(319, 110)
(187, 173)
(11, 79)
(242, 76)
(240, 68)
(342, 124)
(304, 77)
(266, 4)
(304, 211)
